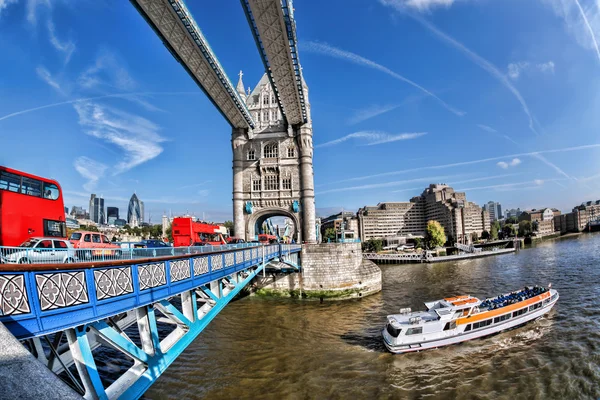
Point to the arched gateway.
(272, 166)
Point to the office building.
(513, 212)
(135, 211)
(459, 217)
(112, 214)
(494, 209)
(97, 213)
(544, 219)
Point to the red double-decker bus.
(187, 232)
(29, 206)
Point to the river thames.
(281, 348)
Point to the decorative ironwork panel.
(247, 255)
(151, 275)
(62, 289)
(200, 265)
(239, 257)
(13, 295)
(229, 259)
(216, 262)
(254, 253)
(180, 270)
(113, 282)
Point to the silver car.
(40, 250)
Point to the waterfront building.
(343, 220)
(494, 209)
(97, 213)
(544, 217)
(165, 225)
(578, 220)
(112, 214)
(459, 217)
(134, 211)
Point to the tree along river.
(283, 348)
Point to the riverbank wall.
(330, 271)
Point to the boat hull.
(463, 337)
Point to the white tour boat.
(457, 319)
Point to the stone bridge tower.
(272, 167)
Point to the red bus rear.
(186, 232)
(29, 206)
(266, 239)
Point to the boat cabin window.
(450, 325)
(414, 331)
(468, 328)
(501, 318)
(482, 324)
(394, 332)
(519, 312)
(535, 306)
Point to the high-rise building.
(494, 209)
(112, 214)
(135, 211)
(97, 213)
(165, 225)
(78, 212)
(459, 217)
(513, 212)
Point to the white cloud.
(369, 138)
(90, 170)
(423, 5)
(548, 163)
(502, 165)
(583, 25)
(515, 162)
(476, 58)
(106, 71)
(135, 135)
(516, 69)
(32, 6)
(45, 75)
(327, 50)
(65, 47)
(385, 184)
(5, 3)
(510, 186)
(487, 128)
(538, 182)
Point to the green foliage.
(474, 237)
(229, 226)
(494, 230)
(509, 231)
(169, 233)
(525, 228)
(485, 235)
(329, 235)
(535, 226)
(89, 228)
(418, 243)
(434, 236)
(511, 220)
(373, 245)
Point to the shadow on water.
(370, 340)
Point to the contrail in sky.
(62, 103)
(589, 27)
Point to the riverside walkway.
(427, 257)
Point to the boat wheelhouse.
(457, 319)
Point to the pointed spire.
(240, 86)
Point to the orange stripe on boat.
(456, 298)
(467, 301)
(503, 310)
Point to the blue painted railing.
(36, 300)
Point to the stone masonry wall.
(329, 271)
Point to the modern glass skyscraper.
(112, 214)
(135, 211)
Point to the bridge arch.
(255, 220)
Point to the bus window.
(50, 191)
(96, 238)
(87, 238)
(55, 228)
(31, 187)
(10, 181)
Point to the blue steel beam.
(274, 29)
(173, 23)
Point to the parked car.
(40, 250)
(151, 244)
(156, 248)
(98, 244)
(234, 240)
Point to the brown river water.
(290, 349)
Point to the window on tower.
(266, 100)
(286, 183)
(271, 182)
(271, 151)
(256, 185)
(291, 152)
(251, 155)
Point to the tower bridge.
(150, 309)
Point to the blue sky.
(497, 98)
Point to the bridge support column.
(307, 183)
(239, 138)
